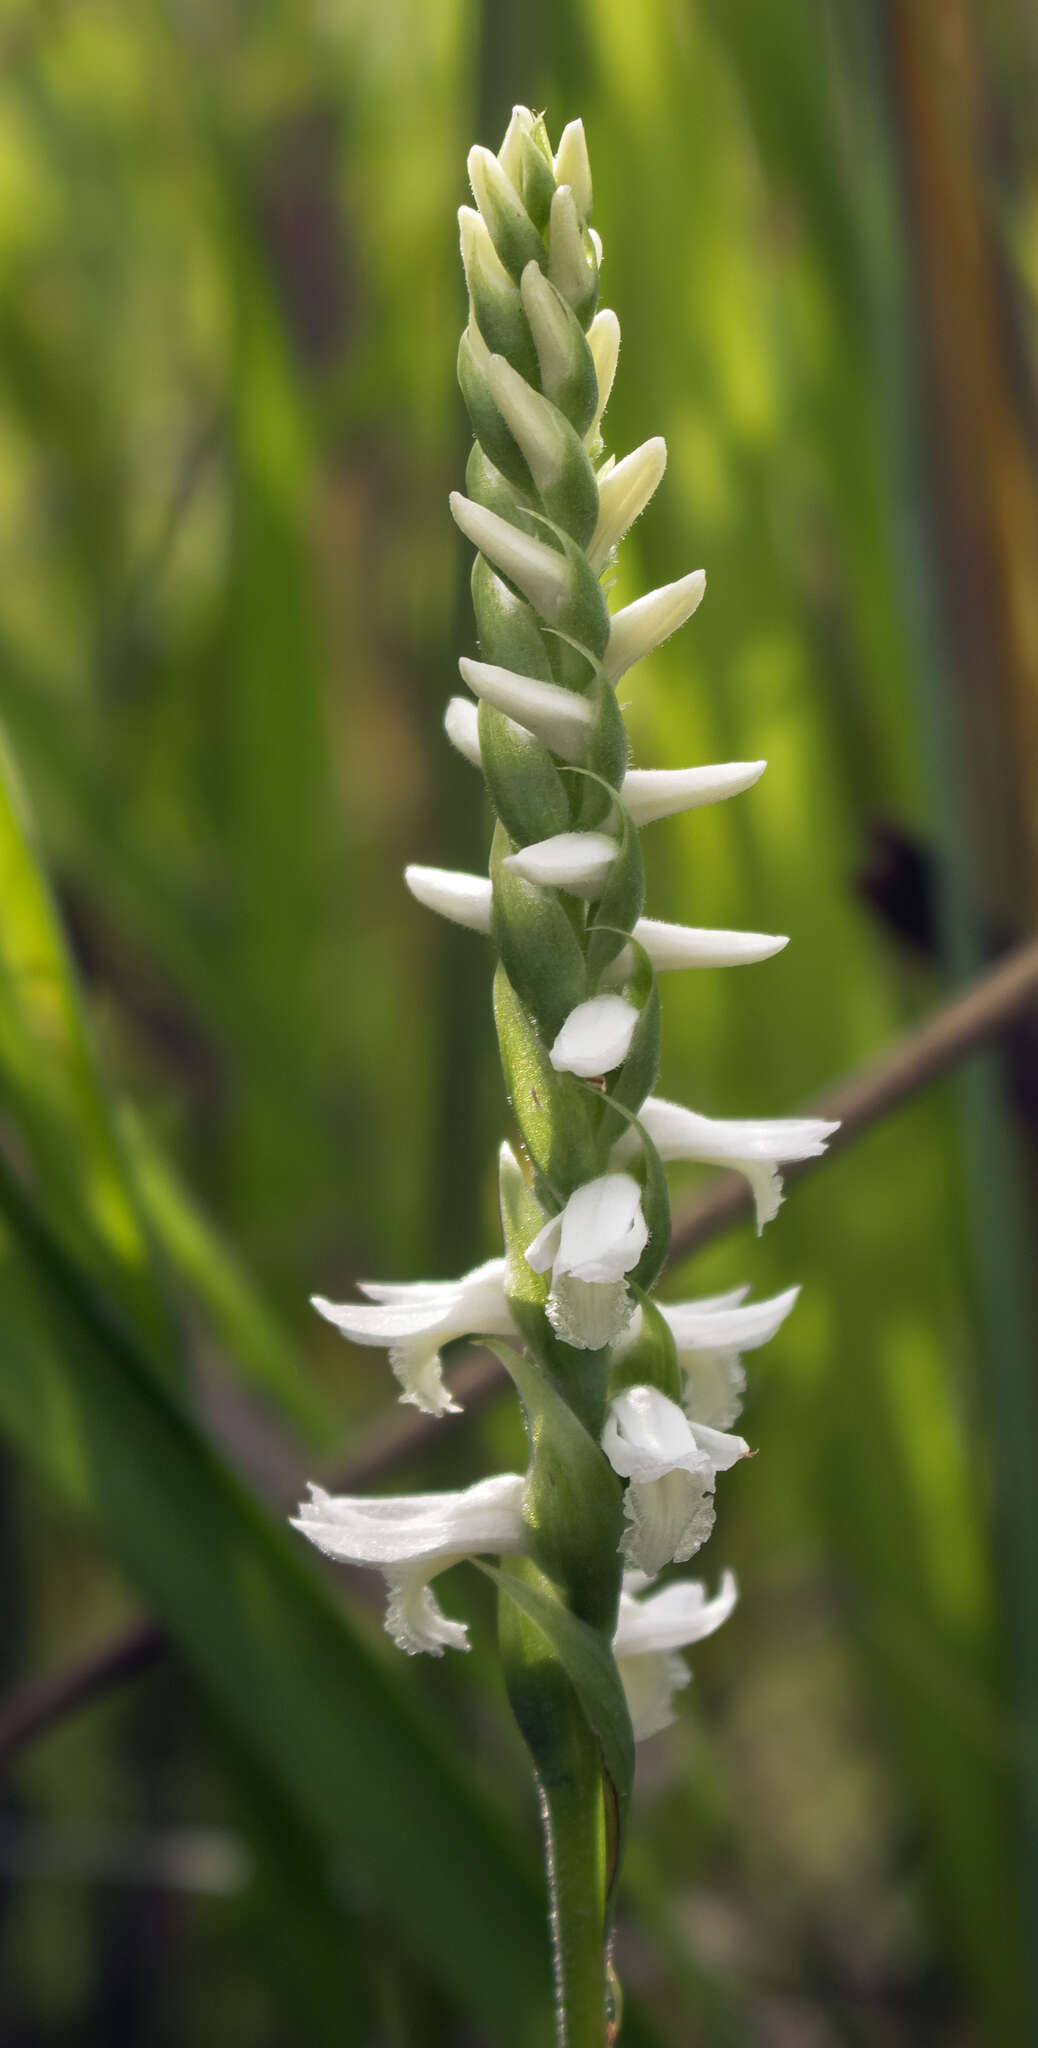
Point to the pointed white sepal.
(551, 325)
(603, 339)
(650, 1633)
(412, 1537)
(755, 1147)
(671, 946)
(651, 793)
(650, 620)
(464, 899)
(461, 725)
(558, 717)
(478, 252)
(595, 1038)
(414, 1319)
(623, 493)
(589, 1248)
(540, 572)
(576, 861)
(572, 167)
(670, 1464)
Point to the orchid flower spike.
(590, 1248)
(412, 1321)
(671, 1465)
(651, 1632)
(412, 1537)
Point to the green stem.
(576, 1853)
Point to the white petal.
(651, 793)
(478, 251)
(673, 1619)
(577, 861)
(541, 1254)
(572, 167)
(686, 945)
(723, 1449)
(650, 620)
(623, 493)
(603, 1229)
(646, 1435)
(465, 899)
(596, 1037)
(706, 1326)
(418, 1529)
(367, 1322)
(558, 717)
(540, 572)
(603, 339)
(461, 724)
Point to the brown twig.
(962, 1026)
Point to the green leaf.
(375, 1789)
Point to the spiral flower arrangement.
(629, 1403)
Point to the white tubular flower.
(412, 1321)
(710, 1337)
(597, 1239)
(465, 899)
(595, 1038)
(624, 490)
(651, 793)
(670, 1464)
(671, 946)
(540, 572)
(603, 339)
(751, 1146)
(410, 1538)
(568, 265)
(576, 861)
(558, 717)
(649, 1635)
(650, 620)
(461, 725)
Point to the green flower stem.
(576, 1854)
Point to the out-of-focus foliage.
(233, 602)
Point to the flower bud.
(577, 861)
(465, 899)
(623, 493)
(572, 167)
(650, 620)
(558, 717)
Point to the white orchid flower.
(411, 1537)
(671, 1465)
(651, 1632)
(596, 1037)
(590, 1247)
(710, 1337)
(414, 1318)
(752, 1146)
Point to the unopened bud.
(558, 717)
(641, 626)
(623, 493)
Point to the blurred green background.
(238, 1064)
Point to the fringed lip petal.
(590, 1248)
(412, 1320)
(670, 1466)
(464, 899)
(651, 793)
(595, 1038)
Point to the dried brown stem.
(960, 1027)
